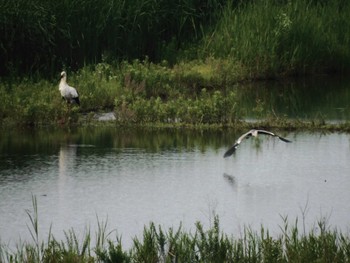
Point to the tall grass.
(138, 92)
(283, 37)
(201, 245)
(269, 38)
(44, 36)
(144, 93)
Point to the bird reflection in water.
(66, 163)
(66, 159)
(230, 179)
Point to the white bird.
(247, 135)
(68, 93)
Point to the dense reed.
(177, 245)
(267, 38)
(283, 37)
(44, 36)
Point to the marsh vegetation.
(157, 62)
(322, 244)
(169, 63)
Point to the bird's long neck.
(63, 83)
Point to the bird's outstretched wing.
(233, 148)
(250, 133)
(273, 134)
(230, 151)
(283, 139)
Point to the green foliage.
(254, 39)
(72, 250)
(206, 108)
(211, 245)
(272, 37)
(44, 36)
(138, 92)
(204, 245)
(28, 103)
(97, 87)
(193, 51)
(147, 79)
(183, 94)
(114, 254)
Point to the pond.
(130, 177)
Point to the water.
(321, 98)
(132, 177)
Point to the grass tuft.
(322, 244)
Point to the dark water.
(320, 98)
(130, 178)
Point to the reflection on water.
(132, 177)
(316, 98)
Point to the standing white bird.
(247, 135)
(68, 93)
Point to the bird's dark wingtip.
(230, 151)
(284, 139)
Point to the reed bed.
(322, 244)
(266, 38)
(273, 38)
(41, 37)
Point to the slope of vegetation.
(156, 61)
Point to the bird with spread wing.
(247, 135)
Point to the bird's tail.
(77, 101)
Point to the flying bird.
(247, 135)
(68, 93)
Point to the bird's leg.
(67, 113)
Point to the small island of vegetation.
(154, 62)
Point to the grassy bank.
(177, 245)
(193, 94)
(138, 92)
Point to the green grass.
(266, 38)
(104, 31)
(322, 244)
(138, 92)
(193, 94)
(159, 62)
(273, 38)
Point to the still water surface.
(133, 177)
(321, 98)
